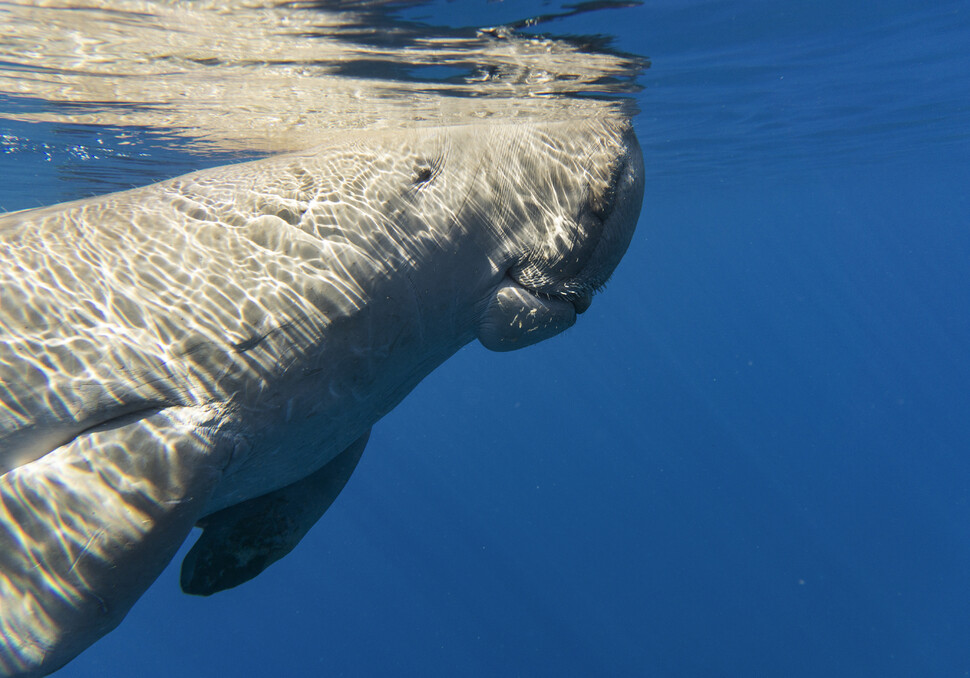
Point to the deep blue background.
(749, 458)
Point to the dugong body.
(214, 349)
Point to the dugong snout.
(541, 296)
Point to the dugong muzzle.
(531, 304)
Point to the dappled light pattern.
(73, 523)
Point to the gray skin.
(214, 349)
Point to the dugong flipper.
(132, 488)
(239, 542)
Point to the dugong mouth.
(580, 300)
(517, 317)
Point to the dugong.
(214, 349)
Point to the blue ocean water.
(749, 457)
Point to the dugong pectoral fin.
(239, 542)
(87, 528)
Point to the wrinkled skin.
(170, 354)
